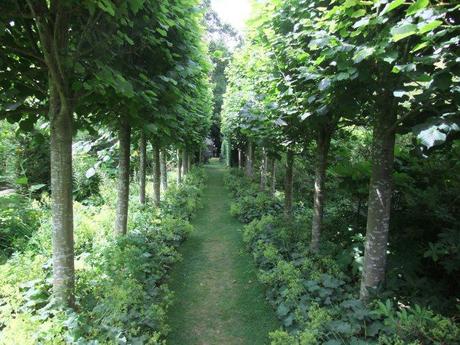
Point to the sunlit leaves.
(363, 53)
(429, 27)
(392, 6)
(417, 6)
(403, 31)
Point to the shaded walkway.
(218, 300)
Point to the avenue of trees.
(364, 96)
(135, 68)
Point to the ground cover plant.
(317, 295)
(122, 295)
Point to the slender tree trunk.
(61, 195)
(156, 175)
(163, 169)
(289, 184)
(240, 166)
(142, 168)
(179, 167)
(249, 160)
(380, 189)
(323, 142)
(185, 162)
(273, 177)
(189, 161)
(263, 170)
(124, 137)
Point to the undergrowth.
(121, 294)
(316, 295)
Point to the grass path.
(218, 300)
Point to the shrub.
(19, 218)
(121, 295)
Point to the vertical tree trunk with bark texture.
(124, 137)
(249, 160)
(164, 170)
(142, 168)
(179, 167)
(185, 162)
(62, 202)
(380, 189)
(273, 177)
(239, 159)
(263, 170)
(323, 142)
(156, 175)
(289, 184)
(53, 40)
(189, 161)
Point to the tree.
(124, 138)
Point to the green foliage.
(315, 297)
(182, 201)
(19, 217)
(121, 292)
(250, 204)
(86, 179)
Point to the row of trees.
(136, 67)
(311, 67)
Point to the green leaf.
(23, 180)
(106, 6)
(420, 46)
(417, 6)
(403, 31)
(136, 5)
(362, 54)
(282, 310)
(36, 187)
(392, 5)
(358, 13)
(430, 26)
(162, 32)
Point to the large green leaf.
(403, 31)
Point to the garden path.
(217, 298)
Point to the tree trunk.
(142, 168)
(185, 162)
(323, 142)
(240, 166)
(124, 137)
(263, 170)
(61, 195)
(288, 184)
(380, 189)
(163, 169)
(179, 167)
(273, 177)
(189, 161)
(156, 175)
(249, 160)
